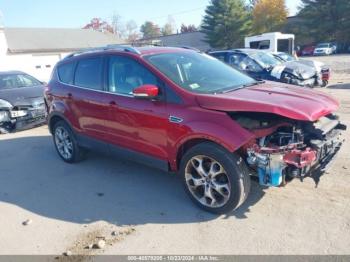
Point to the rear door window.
(66, 73)
(248, 64)
(89, 73)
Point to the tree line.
(227, 22)
(131, 32)
(323, 20)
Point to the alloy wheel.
(64, 143)
(207, 181)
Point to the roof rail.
(125, 48)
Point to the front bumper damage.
(20, 118)
(311, 82)
(274, 165)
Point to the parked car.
(183, 111)
(334, 48)
(324, 49)
(21, 101)
(308, 50)
(262, 65)
(323, 72)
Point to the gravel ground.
(340, 66)
(137, 210)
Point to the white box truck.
(274, 42)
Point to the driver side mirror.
(146, 92)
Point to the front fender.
(218, 128)
(231, 137)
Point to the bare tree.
(170, 26)
(118, 25)
(131, 31)
(99, 25)
(188, 28)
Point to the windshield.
(322, 46)
(286, 57)
(199, 73)
(266, 60)
(11, 81)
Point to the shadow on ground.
(339, 86)
(99, 189)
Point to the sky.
(77, 13)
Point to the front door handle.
(112, 103)
(69, 95)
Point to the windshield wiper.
(242, 86)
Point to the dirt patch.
(86, 244)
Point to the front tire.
(324, 83)
(66, 144)
(216, 180)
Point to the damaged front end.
(21, 117)
(285, 149)
(296, 73)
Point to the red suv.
(183, 111)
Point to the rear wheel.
(66, 143)
(215, 179)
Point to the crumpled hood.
(315, 64)
(26, 96)
(286, 100)
(300, 70)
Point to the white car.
(324, 49)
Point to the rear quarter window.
(66, 73)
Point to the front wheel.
(216, 180)
(324, 83)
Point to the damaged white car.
(21, 101)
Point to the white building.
(190, 39)
(36, 50)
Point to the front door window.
(126, 74)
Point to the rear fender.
(59, 109)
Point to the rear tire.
(66, 144)
(216, 180)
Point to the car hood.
(26, 96)
(315, 64)
(286, 100)
(299, 70)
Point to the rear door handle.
(112, 103)
(69, 95)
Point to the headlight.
(4, 116)
(5, 104)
